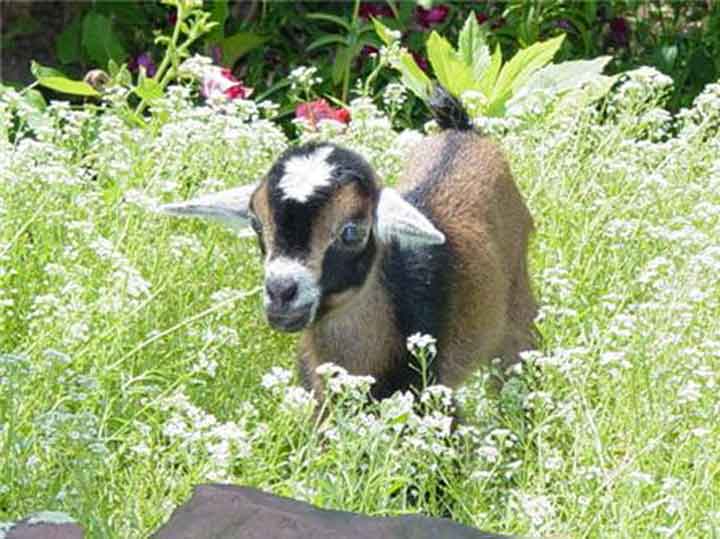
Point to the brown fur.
(487, 224)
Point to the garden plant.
(135, 361)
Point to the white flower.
(276, 378)
(419, 342)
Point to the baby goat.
(359, 267)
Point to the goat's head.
(321, 219)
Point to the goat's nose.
(282, 290)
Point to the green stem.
(170, 53)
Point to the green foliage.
(239, 44)
(68, 86)
(135, 362)
(349, 39)
(472, 68)
(99, 40)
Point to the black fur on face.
(321, 199)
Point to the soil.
(28, 30)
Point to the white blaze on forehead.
(306, 173)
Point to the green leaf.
(518, 70)
(237, 45)
(218, 14)
(40, 71)
(487, 82)
(383, 32)
(67, 86)
(555, 80)
(564, 76)
(326, 40)
(413, 77)
(342, 56)
(100, 41)
(472, 46)
(35, 99)
(148, 89)
(450, 70)
(67, 44)
(330, 18)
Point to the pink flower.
(317, 110)
(430, 17)
(374, 9)
(220, 81)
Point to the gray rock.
(232, 512)
(45, 525)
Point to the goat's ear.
(227, 207)
(397, 219)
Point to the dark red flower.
(367, 50)
(430, 17)
(481, 18)
(374, 9)
(420, 60)
(620, 31)
(317, 110)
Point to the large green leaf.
(219, 14)
(413, 77)
(237, 45)
(450, 70)
(100, 41)
(67, 44)
(383, 31)
(342, 57)
(555, 80)
(566, 75)
(40, 71)
(473, 48)
(518, 70)
(487, 81)
(68, 86)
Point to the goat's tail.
(448, 111)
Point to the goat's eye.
(351, 234)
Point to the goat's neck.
(361, 335)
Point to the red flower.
(620, 31)
(367, 50)
(430, 17)
(481, 18)
(374, 9)
(343, 116)
(317, 110)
